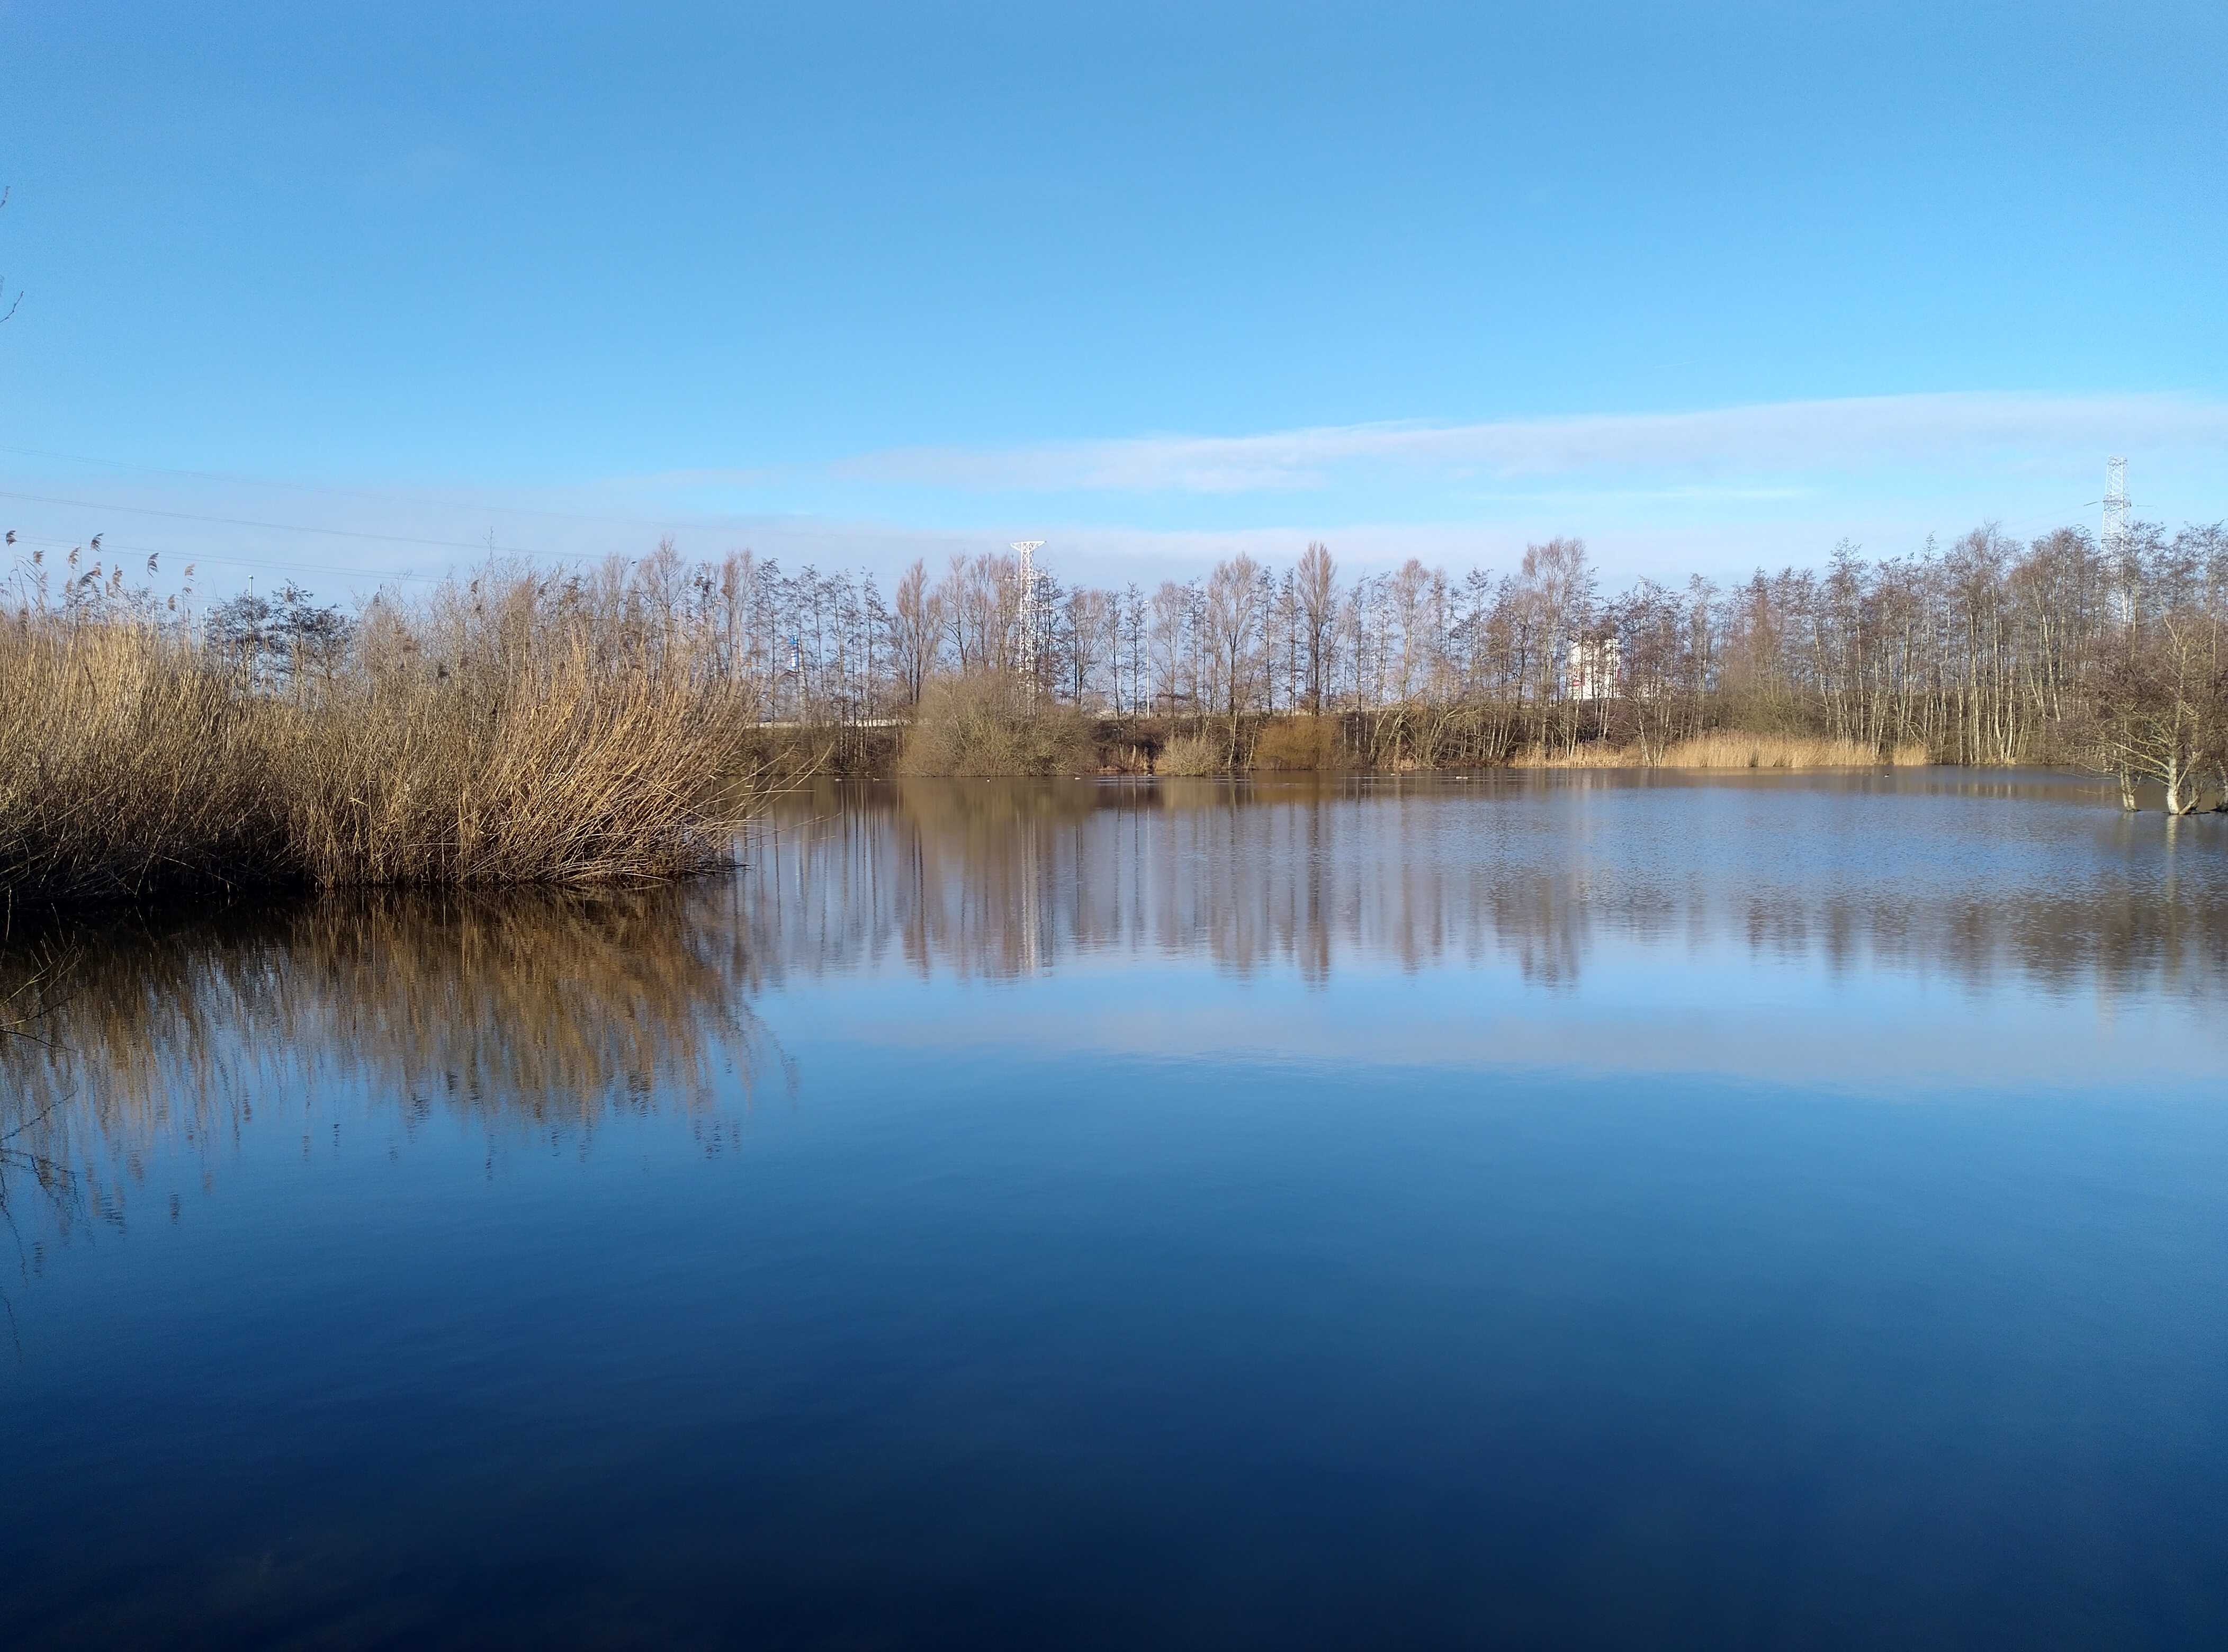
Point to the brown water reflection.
(542, 1008)
(1980, 876)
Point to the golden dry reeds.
(127, 762)
(1725, 749)
(519, 730)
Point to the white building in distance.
(1596, 669)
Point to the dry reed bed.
(122, 760)
(514, 731)
(1721, 749)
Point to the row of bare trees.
(1988, 651)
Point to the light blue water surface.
(1559, 1212)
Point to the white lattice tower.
(1026, 637)
(2119, 570)
(2115, 507)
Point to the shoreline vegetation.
(617, 724)
(1991, 652)
(505, 729)
(1726, 749)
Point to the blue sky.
(1711, 285)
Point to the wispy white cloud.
(1717, 492)
(1855, 432)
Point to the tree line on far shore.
(1990, 650)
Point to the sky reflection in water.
(1553, 1211)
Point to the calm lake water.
(1526, 1211)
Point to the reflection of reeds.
(27, 1131)
(541, 1007)
(1723, 749)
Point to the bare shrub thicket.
(1194, 755)
(981, 723)
(1302, 742)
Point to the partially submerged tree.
(2156, 707)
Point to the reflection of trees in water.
(550, 1009)
(994, 879)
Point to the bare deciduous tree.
(1317, 589)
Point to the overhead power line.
(278, 527)
(386, 496)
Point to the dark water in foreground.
(1536, 1212)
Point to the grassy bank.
(509, 730)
